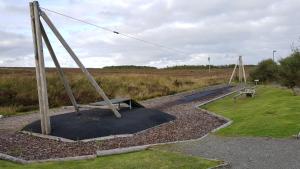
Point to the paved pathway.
(246, 152)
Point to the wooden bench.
(250, 92)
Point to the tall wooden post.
(244, 73)
(40, 68)
(37, 67)
(240, 69)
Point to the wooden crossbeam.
(231, 77)
(59, 69)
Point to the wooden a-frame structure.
(39, 34)
(241, 71)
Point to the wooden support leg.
(81, 66)
(59, 69)
(42, 84)
(232, 74)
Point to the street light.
(208, 64)
(274, 55)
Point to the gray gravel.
(246, 152)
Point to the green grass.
(274, 112)
(149, 159)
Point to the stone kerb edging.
(48, 136)
(121, 150)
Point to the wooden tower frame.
(39, 34)
(241, 71)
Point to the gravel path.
(245, 152)
(190, 123)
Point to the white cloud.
(221, 29)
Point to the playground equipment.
(248, 91)
(241, 72)
(39, 34)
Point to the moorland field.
(18, 91)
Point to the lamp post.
(208, 64)
(274, 55)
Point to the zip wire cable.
(116, 32)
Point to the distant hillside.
(203, 66)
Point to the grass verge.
(149, 159)
(274, 112)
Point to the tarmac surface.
(95, 123)
(245, 152)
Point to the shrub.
(266, 71)
(290, 71)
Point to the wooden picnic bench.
(249, 92)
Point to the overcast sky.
(221, 29)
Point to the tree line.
(286, 72)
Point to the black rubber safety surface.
(102, 122)
(197, 96)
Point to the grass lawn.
(149, 159)
(274, 112)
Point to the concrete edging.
(48, 136)
(101, 153)
(56, 138)
(224, 165)
(13, 159)
(22, 161)
(75, 158)
(107, 137)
